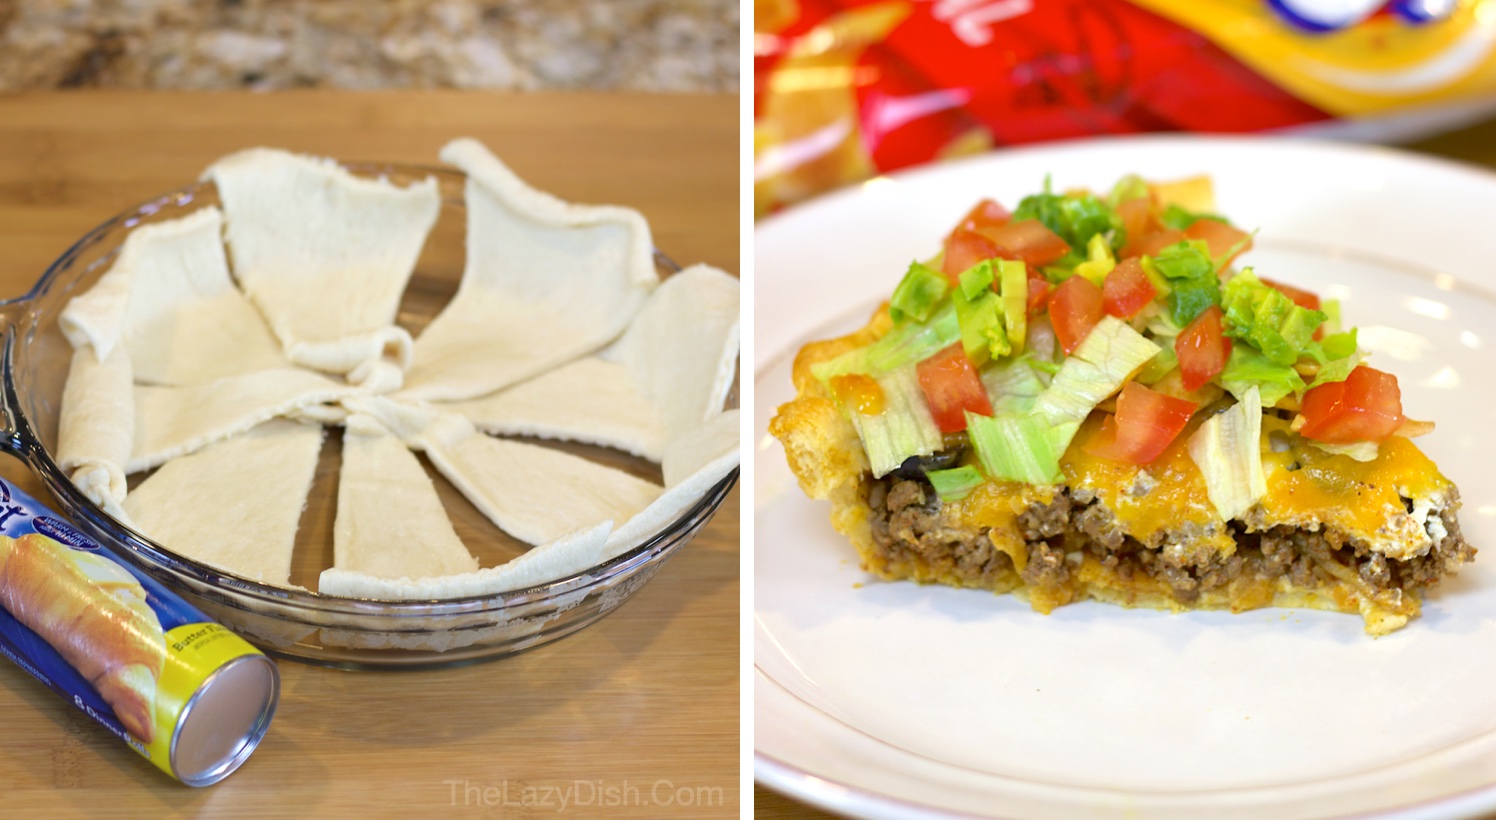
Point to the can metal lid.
(225, 720)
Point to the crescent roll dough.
(95, 615)
(326, 256)
(170, 300)
(545, 282)
(668, 373)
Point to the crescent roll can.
(184, 692)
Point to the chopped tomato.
(1074, 309)
(1221, 238)
(1302, 298)
(1367, 406)
(985, 214)
(951, 387)
(1145, 424)
(1149, 244)
(1126, 289)
(1137, 217)
(1202, 349)
(964, 249)
(1038, 292)
(1028, 240)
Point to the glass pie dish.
(296, 622)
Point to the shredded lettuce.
(1247, 369)
(1158, 366)
(1012, 286)
(905, 428)
(1098, 367)
(975, 280)
(1131, 186)
(1228, 450)
(1191, 276)
(905, 345)
(1180, 218)
(983, 336)
(1337, 355)
(956, 483)
(1099, 260)
(1031, 427)
(1075, 218)
(1013, 386)
(918, 293)
(1020, 448)
(1336, 370)
(1264, 318)
(1332, 346)
(1331, 307)
(1356, 451)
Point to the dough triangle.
(545, 283)
(325, 255)
(234, 504)
(390, 521)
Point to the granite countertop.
(634, 45)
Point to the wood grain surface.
(636, 714)
(1475, 145)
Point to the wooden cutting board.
(638, 713)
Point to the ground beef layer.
(1072, 548)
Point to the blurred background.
(848, 89)
(625, 45)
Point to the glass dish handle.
(12, 441)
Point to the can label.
(112, 640)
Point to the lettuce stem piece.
(903, 429)
(1020, 448)
(1228, 450)
(905, 345)
(956, 483)
(918, 293)
(1012, 282)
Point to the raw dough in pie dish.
(169, 298)
(222, 379)
(668, 373)
(385, 497)
(546, 281)
(325, 255)
(235, 503)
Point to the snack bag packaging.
(184, 692)
(848, 89)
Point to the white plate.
(892, 699)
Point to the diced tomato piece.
(1367, 406)
(964, 249)
(1038, 292)
(1137, 217)
(951, 387)
(1126, 289)
(1202, 349)
(1028, 240)
(1221, 238)
(986, 214)
(1149, 244)
(1302, 298)
(1074, 309)
(1146, 423)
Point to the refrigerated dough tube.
(95, 615)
